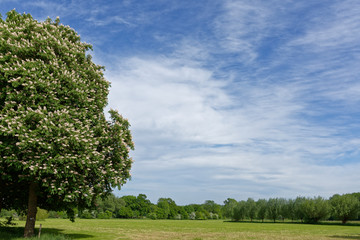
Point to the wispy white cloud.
(339, 30)
(95, 13)
(243, 26)
(108, 20)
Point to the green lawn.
(116, 229)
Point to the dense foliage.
(310, 210)
(57, 149)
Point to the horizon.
(228, 99)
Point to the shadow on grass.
(335, 223)
(346, 237)
(9, 233)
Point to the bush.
(59, 214)
(87, 214)
(8, 213)
(200, 216)
(7, 222)
(41, 214)
(105, 215)
(124, 212)
(152, 216)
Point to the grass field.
(116, 229)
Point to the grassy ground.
(116, 229)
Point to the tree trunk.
(32, 209)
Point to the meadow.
(116, 229)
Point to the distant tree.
(261, 205)
(298, 208)
(212, 208)
(175, 212)
(290, 209)
(183, 213)
(163, 211)
(315, 209)
(189, 209)
(56, 147)
(199, 215)
(252, 208)
(124, 212)
(240, 211)
(345, 207)
(140, 206)
(200, 212)
(284, 208)
(109, 204)
(273, 208)
(228, 208)
(144, 204)
(106, 204)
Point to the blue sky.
(228, 98)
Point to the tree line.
(309, 210)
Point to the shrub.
(41, 214)
(152, 216)
(87, 214)
(59, 214)
(105, 215)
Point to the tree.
(183, 213)
(144, 204)
(290, 209)
(124, 212)
(107, 204)
(252, 208)
(140, 206)
(174, 209)
(110, 204)
(240, 211)
(273, 208)
(212, 208)
(298, 209)
(262, 208)
(57, 148)
(163, 210)
(189, 209)
(315, 209)
(345, 207)
(284, 208)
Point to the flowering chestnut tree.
(57, 149)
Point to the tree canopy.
(56, 145)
